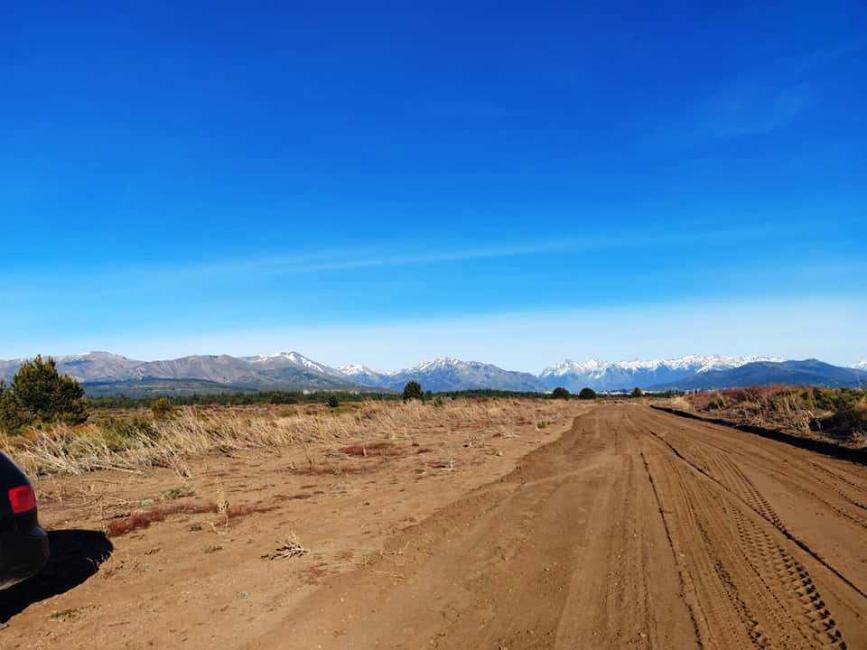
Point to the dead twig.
(286, 549)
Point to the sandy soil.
(634, 528)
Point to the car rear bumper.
(22, 555)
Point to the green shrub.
(412, 390)
(333, 402)
(44, 395)
(560, 393)
(637, 392)
(587, 393)
(12, 416)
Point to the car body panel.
(24, 547)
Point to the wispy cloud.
(123, 278)
(754, 108)
(321, 261)
(770, 97)
(414, 254)
(347, 260)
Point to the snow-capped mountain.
(807, 372)
(616, 375)
(861, 365)
(293, 360)
(361, 374)
(284, 371)
(447, 374)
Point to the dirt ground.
(614, 526)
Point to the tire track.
(681, 569)
(755, 569)
(777, 566)
(771, 594)
(796, 475)
(790, 536)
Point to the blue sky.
(510, 182)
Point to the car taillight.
(22, 499)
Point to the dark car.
(23, 544)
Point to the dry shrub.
(681, 403)
(288, 548)
(839, 412)
(850, 420)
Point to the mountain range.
(106, 373)
(446, 374)
(810, 372)
(617, 375)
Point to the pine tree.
(46, 395)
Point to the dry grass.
(133, 443)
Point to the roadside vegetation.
(162, 433)
(839, 414)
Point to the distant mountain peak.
(440, 362)
(568, 366)
(357, 369)
(291, 356)
(93, 355)
(292, 359)
(451, 374)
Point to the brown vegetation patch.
(293, 497)
(144, 518)
(245, 509)
(337, 470)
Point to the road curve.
(635, 529)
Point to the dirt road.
(635, 529)
(629, 528)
